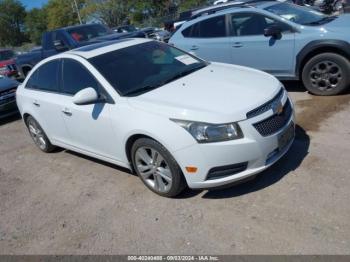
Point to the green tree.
(12, 14)
(61, 13)
(36, 24)
(110, 12)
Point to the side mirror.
(273, 31)
(60, 46)
(87, 96)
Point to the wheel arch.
(318, 47)
(131, 140)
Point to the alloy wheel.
(153, 169)
(37, 135)
(326, 75)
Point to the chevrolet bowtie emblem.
(278, 108)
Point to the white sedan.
(171, 117)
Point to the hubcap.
(153, 169)
(326, 75)
(37, 135)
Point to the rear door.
(249, 46)
(43, 100)
(208, 39)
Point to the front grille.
(7, 92)
(276, 122)
(267, 106)
(12, 67)
(224, 171)
(7, 100)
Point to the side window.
(59, 36)
(213, 27)
(45, 77)
(76, 77)
(191, 31)
(209, 28)
(248, 24)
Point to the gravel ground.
(66, 203)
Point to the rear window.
(85, 33)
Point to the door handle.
(194, 47)
(67, 112)
(36, 103)
(237, 45)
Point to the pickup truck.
(7, 63)
(63, 39)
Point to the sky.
(29, 4)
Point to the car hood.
(339, 24)
(7, 62)
(7, 83)
(218, 93)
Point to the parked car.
(7, 63)
(67, 38)
(7, 96)
(289, 41)
(176, 120)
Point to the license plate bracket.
(287, 136)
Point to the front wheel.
(326, 74)
(157, 168)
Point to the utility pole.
(77, 10)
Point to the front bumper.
(8, 107)
(254, 152)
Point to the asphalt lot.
(66, 203)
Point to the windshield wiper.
(147, 88)
(323, 20)
(141, 90)
(182, 74)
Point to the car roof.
(78, 26)
(93, 50)
(234, 5)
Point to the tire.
(157, 168)
(326, 74)
(38, 135)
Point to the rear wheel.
(326, 74)
(38, 135)
(157, 168)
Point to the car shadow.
(291, 161)
(10, 119)
(294, 86)
(272, 175)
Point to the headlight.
(3, 70)
(206, 133)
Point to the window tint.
(76, 77)
(45, 77)
(59, 36)
(143, 67)
(246, 24)
(212, 27)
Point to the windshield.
(299, 14)
(6, 55)
(85, 33)
(140, 68)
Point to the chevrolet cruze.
(169, 116)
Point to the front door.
(251, 48)
(89, 126)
